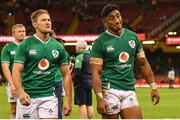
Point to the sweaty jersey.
(118, 54)
(8, 53)
(41, 61)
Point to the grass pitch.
(168, 108)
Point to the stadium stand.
(87, 12)
(156, 16)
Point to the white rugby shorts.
(118, 100)
(46, 107)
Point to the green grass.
(169, 106)
(4, 106)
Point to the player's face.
(43, 23)
(113, 21)
(19, 33)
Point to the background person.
(35, 67)
(171, 77)
(112, 58)
(7, 58)
(83, 81)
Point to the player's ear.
(34, 24)
(105, 24)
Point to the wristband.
(153, 85)
(99, 95)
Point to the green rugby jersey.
(58, 76)
(8, 53)
(118, 54)
(41, 62)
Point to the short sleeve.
(96, 51)
(20, 56)
(5, 55)
(64, 57)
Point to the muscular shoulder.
(129, 32)
(101, 41)
(10, 44)
(7, 46)
(28, 40)
(55, 43)
(102, 37)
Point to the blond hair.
(17, 26)
(37, 13)
(81, 44)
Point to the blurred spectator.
(83, 81)
(171, 77)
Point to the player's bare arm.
(96, 65)
(16, 75)
(148, 74)
(67, 108)
(8, 76)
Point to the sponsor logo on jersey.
(41, 72)
(123, 57)
(43, 64)
(110, 48)
(32, 52)
(55, 53)
(122, 66)
(12, 53)
(132, 43)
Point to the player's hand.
(102, 106)
(155, 96)
(13, 90)
(67, 108)
(24, 98)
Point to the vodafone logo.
(43, 64)
(123, 57)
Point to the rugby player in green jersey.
(7, 58)
(112, 58)
(35, 69)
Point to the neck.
(42, 36)
(17, 41)
(115, 32)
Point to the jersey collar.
(115, 35)
(15, 43)
(45, 42)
